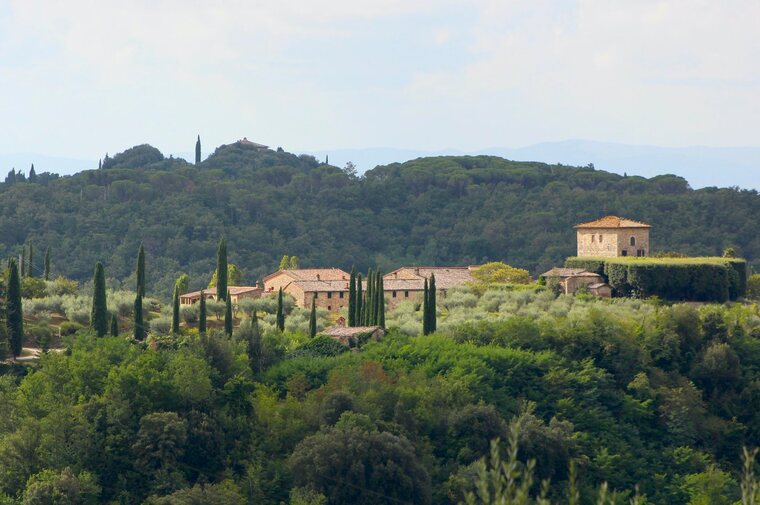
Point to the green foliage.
(46, 273)
(280, 321)
(70, 327)
(140, 271)
(497, 272)
(313, 320)
(99, 320)
(321, 345)
(697, 279)
(138, 324)
(65, 487)
(175, 311)
(198, 151)
(288, 263)
(234, 276)
(222, 269)
(228, 321)
(33, 287)
(753, 287)
(202, 314)
(14, 311)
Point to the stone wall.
(612, 242)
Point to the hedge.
(698, 279)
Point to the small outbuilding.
(354, 336)
(570, 280)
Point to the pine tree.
(30, 264)
(114, 326)
(425, 318)
(99, 314)
(381, 303)
(313, 319)
(47, 264)
(221, 271)
(202, 316)
(175, 311)
(32, 174)
(14, 311)
(139, 328)
(228, 315)
(352, 298)
(198, 150)
(141, 272)
(359, 302)
(280, 312)
(432, 323)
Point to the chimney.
(318, 278)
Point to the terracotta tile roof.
(597, 285)
(405, 284)
(234, 290)
(613, 222)
(318, 286)
(445, 277)
(312, 274)
(348, 331)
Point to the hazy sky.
(80, 78)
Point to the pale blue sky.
(80, 78)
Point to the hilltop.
(437, 210)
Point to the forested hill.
(443, 210)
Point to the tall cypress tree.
(32, 174)
(202, 316)
(370, 299)
(358, 321)
(432, 323)
(352, 298)
(221, 270)
(139, 329)
(313, 319)
(425, 317)
(30, 264)
(255, 353)
(280, 312)
(141, 272)
(14, 311)
(99, 314)
(22, 266)
(47, 264)
(228, 315)
(175, 311)
(381, 301)
(198, 150)
(114, 326)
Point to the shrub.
(38, 335)
(753, 287)
(62, 286)
(161, 325)
(33, 287)
(70, 327)
(321, 345)
(80, 316)
(189, 314)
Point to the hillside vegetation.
(444, 210)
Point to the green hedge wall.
(696, 279)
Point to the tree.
(234, 276)
(425, 316)
(198, 151)
(32, 174)
(114, 325)
(228, 315)
(202, 316)
(65, 487)
(280, 312)
(352, 299)
(183, 283)
(380, 301)
(370, 305)
(139, 322)
(729, 252)
(364, 467)
(221, 270)
(289, 263)
(22, 270)
(497, 272)
(99, 314)
(431, 306)
(141, 271)
(313, 319)
(47, 264)
(359, 301)
(14, 311)
(30, 264)
(175, 311)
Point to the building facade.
(328, 287)
(237, 293)
(612, 237)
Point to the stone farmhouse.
(328, 287)
(571, 280)
(408, 283)
(237, 293)
(612, 237)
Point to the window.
(640, 253)
(316, 295)
(394, 294)
(329, 307)
(625, 252)
(329, 294)
(601, 238)
(340, 295)
(406, 294)
(633, 240)
(593, 238)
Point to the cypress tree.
(432, 323)
(139, 329)
(202, 316)
(32, 174)
(14, 311)
(221, 270)
(370, 305)
(425, 318)
(359, 301)
(175, 311)
(352, 298)
(47, 264)
(100, 164)
(381, 302)
(99, 314)
(22, 266)
(198, 150)
(114, 326)
(255, 353)
(280, 312)
(30, 264)
(141, 271)
(313, 319)
(228, 315)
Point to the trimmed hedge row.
(696, 279)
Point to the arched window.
(633, 240)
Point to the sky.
(81, 78)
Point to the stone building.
(237, 293)
(570, 280)
(328, 287)
(612, 237)
(408, 283)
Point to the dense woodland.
(446, 210)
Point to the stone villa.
(237, 293)
(327, 286)
(408, 283)
(611, 237)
